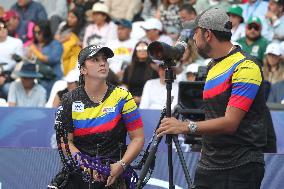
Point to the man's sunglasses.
(253, 26)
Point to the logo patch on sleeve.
(108, 109)
(77, 106)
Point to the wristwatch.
(192, 126)
(123, 165)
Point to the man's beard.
(253, 38)
(205, 51)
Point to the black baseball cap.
(123, 22)
(91, 51)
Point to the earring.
(83, 71)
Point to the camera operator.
(236, 115)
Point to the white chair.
(57, 86)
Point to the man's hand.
(172, 126)
(115, 171)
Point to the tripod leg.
(170, 161)
(151, 157)
(183, 163)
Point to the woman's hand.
(115, 171)
(34, 50)
(98, 177)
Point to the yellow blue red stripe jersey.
(239, 75)
(234, 80)
(106, 115)
(104, 124)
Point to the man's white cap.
(72, 76)
(273, 48)
(100, 7)
(192, 68)
(152, 24)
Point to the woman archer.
(98, 116)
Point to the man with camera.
(234, 130)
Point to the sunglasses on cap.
(253, 26)
(141, 48)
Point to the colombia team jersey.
(234, 80)
(241, 75)
(118, 105)
(104, 124)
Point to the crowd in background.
(40, 41)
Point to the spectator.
(139, 71)
(26, 92)
(72, 80)
(55, 8)
(2, 11)
(202, 5)
(123, 9)
(191, 71)
(56, 12)
(13, 22)
(153, 28)
(9, 48)
(2, 82)
(103, 29)
(273, 68)
(154, 92)
(253, 43)
(256, 8)
(187, 13)
(76, 3)
(168, 13)
(29, 11)
(48, 53)
(122, 47)
(276, 20)
(150, 8)
(70, 34)
(276, 94)
(86, 5)
(236, 17)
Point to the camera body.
(190, 107)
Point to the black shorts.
(248, 176)
(76, 182)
